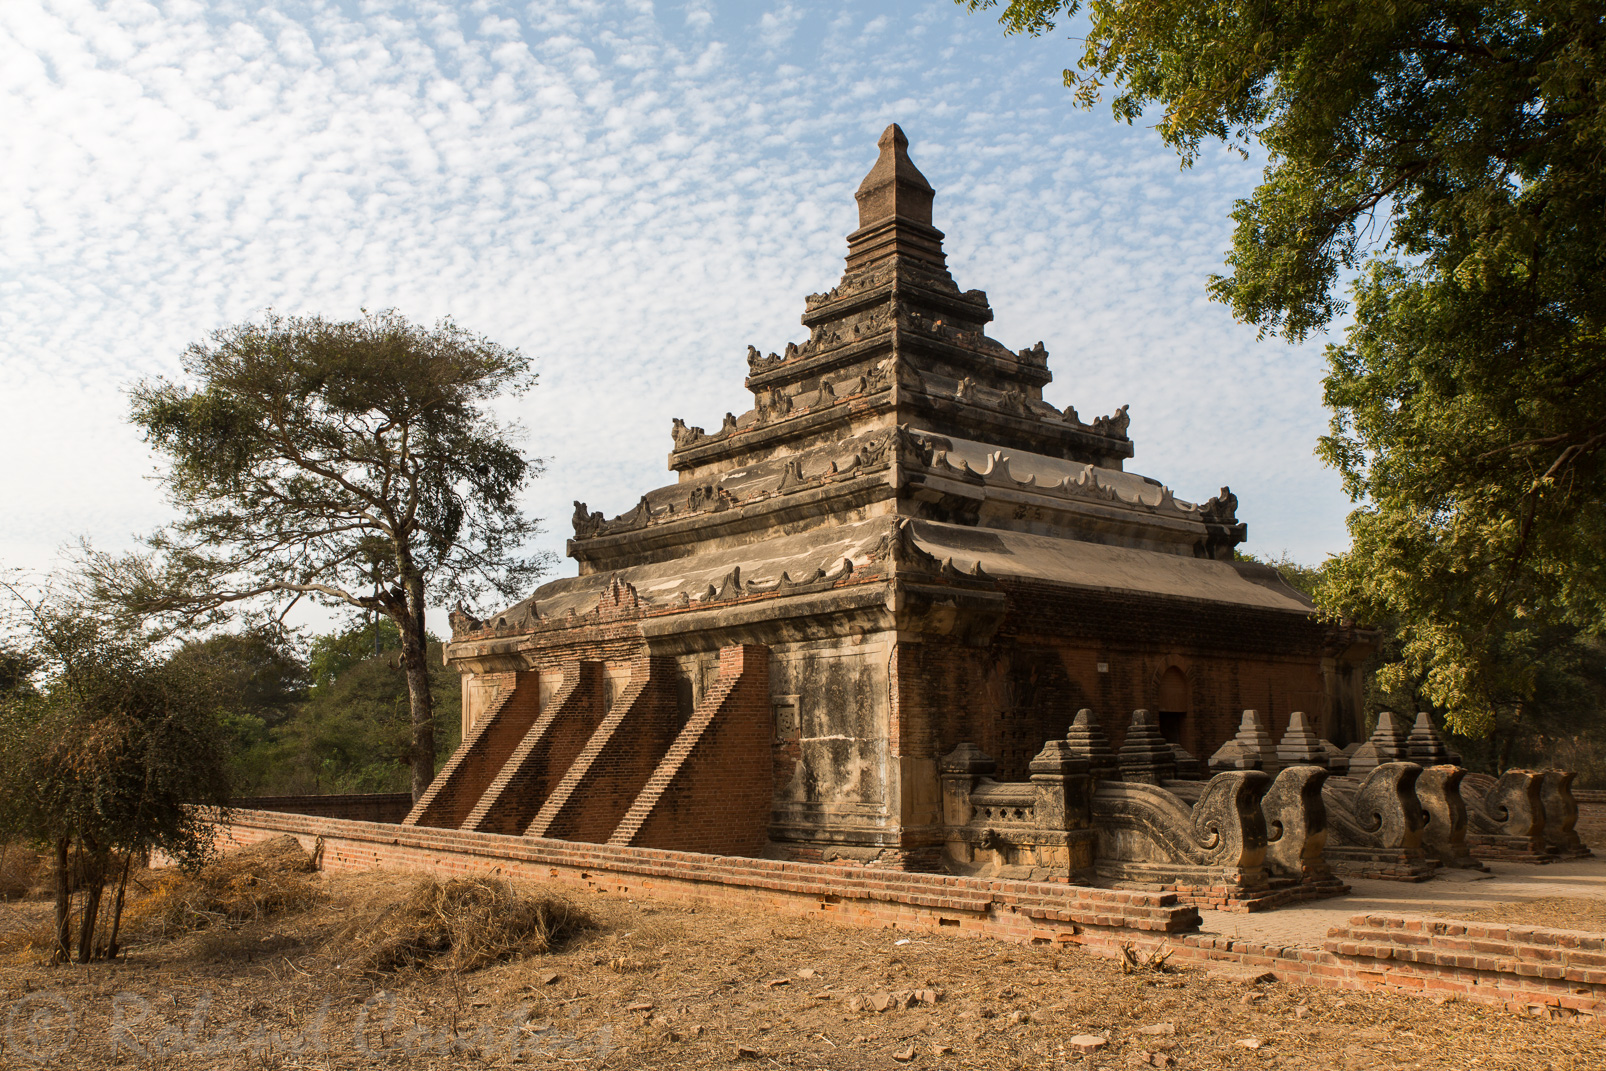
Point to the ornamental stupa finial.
(894, 209)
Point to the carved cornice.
(921, 457)
(874, 454)
(618, 602)
(760, 513)
(1085, 485)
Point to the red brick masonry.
(1559, 974)
(362, 806)
(1555, 973)
(1591, 825)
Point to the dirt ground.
(655, 986)
(1555, 912)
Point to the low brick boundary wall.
(358, 806)
(1019, 910)
(1557, 974)
(1591, 825)
(1554, 973)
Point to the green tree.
(351, 734)
(261, 681)
(118, 751)
(1450, 159)
(1303, 578)
(349, 731)
(17, 668)
(353, 463)
(331, 654)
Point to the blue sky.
(630, 192)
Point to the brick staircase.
(573, 771)
(540, 760)
(711, 792)
(477, 760)
(617, 761)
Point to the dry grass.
(655, 985)
(19, 871)
(460, 925)
(28, 934)
(266, 880)
(255, 902)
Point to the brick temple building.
(900, 547)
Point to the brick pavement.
(1306, 925)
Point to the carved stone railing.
(1561, 815)
(1444, 814)
(1038, 829)
(994, 802)
(1375, 824)
(1506, 817)
(1151, 834)
(1521, 816)
(1296, 829)
(1242, 840)
(1204, 840)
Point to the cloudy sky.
(631, 192)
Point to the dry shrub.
(257, 882)
(83, 870)
(28, 941)
(461, 924)
(19, 871)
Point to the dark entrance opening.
(1172, 709)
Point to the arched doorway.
(1172, 708)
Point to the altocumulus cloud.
(631, 192)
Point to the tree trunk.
(415, 660)
(86, 926)
(1503, 761)
(117, 907)
(63, 902)
(94, 886)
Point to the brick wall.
(1009, 700)
(613, 767)
(1545, 973)
(855, 895)
(1525, 964)
(1130, 620)
(1234, 658)
(360, 807)
(463, 780)
(541, 759)
(713, 789)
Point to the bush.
(261, 881)
(19, 872)
(461, 925)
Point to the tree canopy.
(1447, 161)
(354, 463)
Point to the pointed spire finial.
(894, 187)
(895, 211)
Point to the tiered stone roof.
(897, 439)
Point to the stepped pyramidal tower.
(899, 547)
